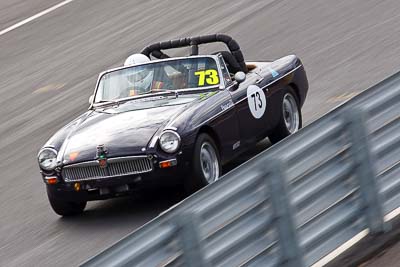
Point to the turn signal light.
(51, 180)
(168, 163)
(77, 187)
(165, 164)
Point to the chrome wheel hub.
(209, 162)
(290, 113)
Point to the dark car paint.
(223, 113)
(123, 132)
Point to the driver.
(142, 80)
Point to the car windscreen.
(156, 77)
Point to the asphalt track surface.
(48, 69)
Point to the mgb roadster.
(171, 120)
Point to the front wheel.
(65, 208)
(290, 118)
(206, 166)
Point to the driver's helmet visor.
(139, 75)
(141, 79)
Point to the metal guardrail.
(292, 204)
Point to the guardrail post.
(287, 234)
(365, 171)
(189, 236)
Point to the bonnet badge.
(101, 156)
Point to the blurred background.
(49, 66)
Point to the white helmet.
(142, 78)
(136, 59)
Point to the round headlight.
(170, 141)
(47, 159)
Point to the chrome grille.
(115, 167)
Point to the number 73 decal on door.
(256, 100)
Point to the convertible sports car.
(171, 121)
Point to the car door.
(250, 103)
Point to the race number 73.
(207, 76)
(257, 100)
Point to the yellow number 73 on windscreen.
(207, 76)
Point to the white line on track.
(38, 15)
(342, 248)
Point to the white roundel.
(256, 100)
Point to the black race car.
(171, 120)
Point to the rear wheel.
(65, 208)
(290, 118)
(206, 166)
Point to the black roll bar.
(194, 42)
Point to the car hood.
(123, 130)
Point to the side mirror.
(91, 99)
(240, 76)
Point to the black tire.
(65, 208)
(281, 130)
(197, 178)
